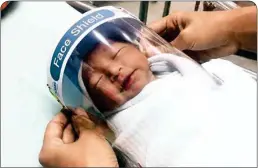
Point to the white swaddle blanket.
(180, 122)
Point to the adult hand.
(209, 34)
(61, 149)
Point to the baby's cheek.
(93, 81)
(112, 93)
(142, 79)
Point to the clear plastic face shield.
(108, 57)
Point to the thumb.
(82, 123)
(182, 42)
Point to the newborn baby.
(172, 120)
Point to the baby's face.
(119, 72)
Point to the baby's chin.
(131, 93)
(121, 99)
(137, 88)
(127, 95)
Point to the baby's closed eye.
(98, 81)
(94, 79)
(118, 52)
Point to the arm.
(243, 23)
(210, 34)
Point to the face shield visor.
(108, 57)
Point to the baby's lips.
(121, 79)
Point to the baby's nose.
(114, 74)
(114, 78)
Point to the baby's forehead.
(112, 46)
(106, 50)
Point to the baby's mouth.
(127, 82)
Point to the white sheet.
(28, 36)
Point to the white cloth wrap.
(181, 122)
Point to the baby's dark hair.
(109, 31)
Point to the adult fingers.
(173, 23)
(81, 120)
(52, 140)
(100, 125)
(103, 129)
(183, 41)
(68, 135)
(86, 121)
(82, 123)
(80, 111)
(159, 26)
(55, 129)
